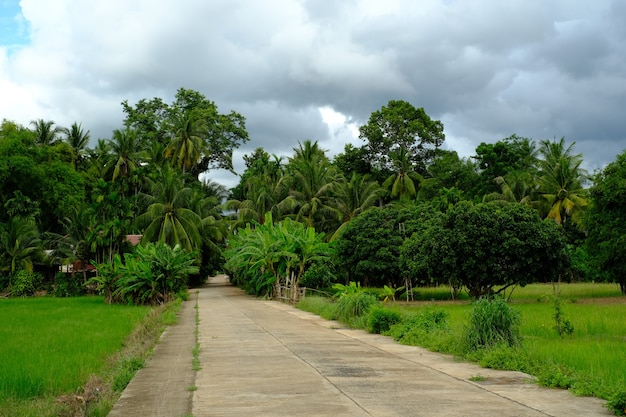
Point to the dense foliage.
(606, 221)
(399, 210)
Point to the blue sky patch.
(13, 25)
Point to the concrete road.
(265, 358)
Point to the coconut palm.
(126, 151)
(46, 133)
(354, 197)
(20, 244)
(261, 188)
(403, 182)
(517, 186)
(310, 178)
(78, 139)
(561, 182)
(168, 217)
(187, 145)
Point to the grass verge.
(588, 362)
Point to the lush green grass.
(51, 345)
(590, 361)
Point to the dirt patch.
(76, 405)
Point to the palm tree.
(354, 197)
(561, 181)
(310, 178)
(403, 182)
(187, 145)
(78, 139)
(46, 132)
(20, 244)
(126, 152)
(168, 217)
(263, 189)
(517, 186)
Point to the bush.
(25, 283)
(493, 322)
(67, 285)
(617, 404)
(381, 319)
(318, 275)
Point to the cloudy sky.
(316, 69)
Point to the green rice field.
(51, 345)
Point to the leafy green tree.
(605, 221)
(127, 152)
(192, 130)
(512, 154)
(369, 248)
(399, 125)
(260, 188)
(78, 139)
(449, 171)
(481, 246)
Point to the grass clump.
(380, 319)
(493, 322)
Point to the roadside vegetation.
(522, 334)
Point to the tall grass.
(50, 346)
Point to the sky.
(316, 69)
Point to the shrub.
(25, 283)
(381, 319)
(153, 275)
(617, 404)
(319, 275)
(493, 322)
(67, 285)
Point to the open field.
(51, 345)
(590, 361)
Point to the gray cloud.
(486, 69)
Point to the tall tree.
(78, 139)
(561, 180)
(399, 125)
(310, 177)
(46, 133)
(187, 146)
(351, 198)
(605, 221)
(499, 159)
(203, 138)
(168, 218)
